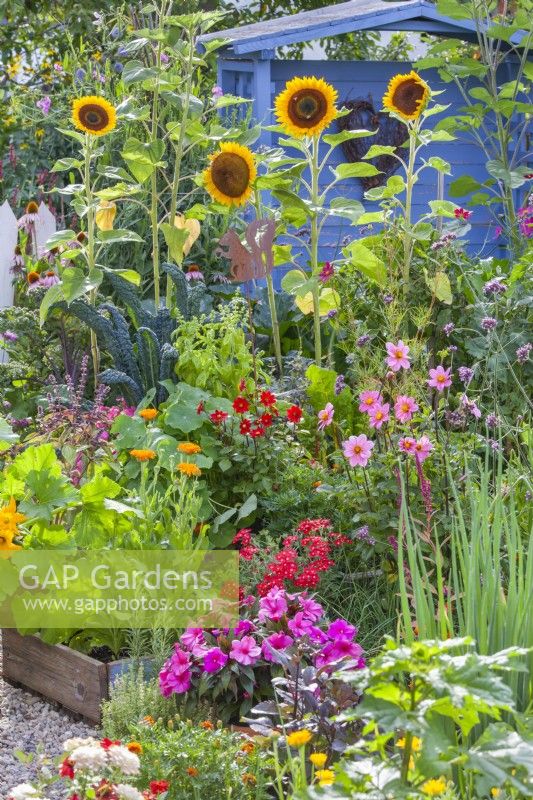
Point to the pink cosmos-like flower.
(277, 641)
(423, 448)
(358, 449)
(273, 605)
(340, 629)
(407, 444)
(440, 378)
(404, 408)
(246, 650)
(325, 416)
(379, 415)
(215, 660)
(367, 400)
(397, 356)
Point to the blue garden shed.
(249, 66)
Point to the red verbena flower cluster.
(304, 556)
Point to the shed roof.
(332, 20)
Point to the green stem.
(314, 250)
(153, 180)
(271, 297)
(407, 236)
(179, 152)
(90, 249)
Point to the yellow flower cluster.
(10, 518)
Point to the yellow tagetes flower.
(434, 787)
(248, 779)
(143, 455)
(189, 448)
(407, 95)
(325, 777)
(93, 115)
(105, 215)
(148, 414)
(299, 738)
(191, 470)
(306, 106)
(230, 175)
(318, 759)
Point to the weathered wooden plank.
(73, 679)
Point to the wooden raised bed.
(76, 681)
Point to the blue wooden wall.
(262, 80)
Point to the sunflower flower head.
(93, 115)
(230, 175)
(406, 95)
(306, 106)
(191, 470)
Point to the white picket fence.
(45, 226)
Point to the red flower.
(255, 433)
(242, 385)
(245, 426)
(200, 407)
(462, 213)
(107, 743)
(266, 419)
(268, 399)
(294, 414)
(218, 416)
(66, 770)
(241, 405)
(158, 787)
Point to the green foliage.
(434, 695)
(134, 696)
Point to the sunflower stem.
(153, 181)
(315, 171)
(408, 233)
(271, 296)
(90, 249)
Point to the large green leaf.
(175, 239)
(142, 158)
(359, 170)
(366, 261)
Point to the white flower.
(127, 792)
(72, 744)
(121, 758)
(90, 756)
(24, 791)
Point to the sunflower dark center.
(408, 95)
(94, 117)
(307, 108)
(230, 174)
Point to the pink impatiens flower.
(273, 606)
(440, 378)
(407, 444)
(379, 415)
(246, 651)
(214, 660)
(423, 448)
(404, 408)
(358, 449)
(367, 401)
(397, 358)
(325, 416)
(275, 642)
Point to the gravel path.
(28, 723)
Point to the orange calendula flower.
(192, 772)
(135, 747)
(249, 779)
(191, 470)
(189, 448)
(143, 455)
(248, 747)
(148, 720)
(10, 517)
(207, 725)
(148, 414)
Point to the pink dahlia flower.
(357, 449)
(440, 378)
(397, 356)
(404, 408)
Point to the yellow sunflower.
(306, 106)
(230, 175)
(94, 115)
(407, 95)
